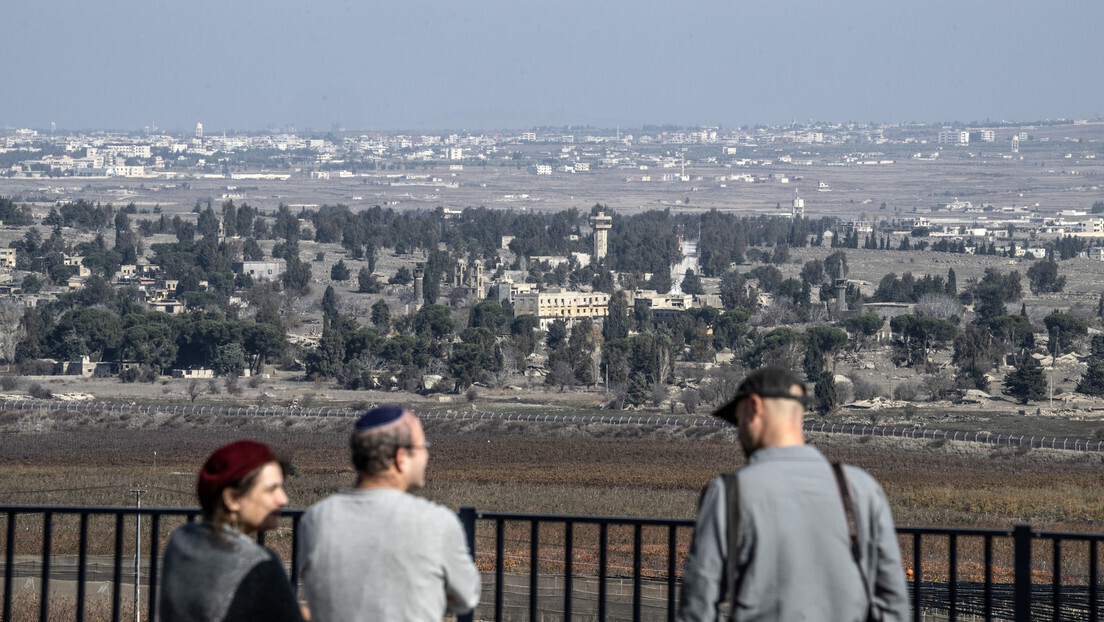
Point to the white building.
(555, 305)
(954, 137)
(260, 270)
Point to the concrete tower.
(841, 297)
(199, 130)
(798, 209)
(602, 224)
(419, 276)
(479, 281)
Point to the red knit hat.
(227, 465)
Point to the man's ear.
(756, 405)
(402, 458)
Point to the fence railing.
(543, 566)
(1010, 440)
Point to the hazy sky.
(435, 64)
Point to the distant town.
(245, 156)
(636, 260)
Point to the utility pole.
(138, 556)
(1053, 364)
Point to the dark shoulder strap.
(732, 529)
(848, 508)
(732, 524)
(852, 528)
(730, 581)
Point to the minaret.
(479, 281)
(602, 224)
(419, 275)
(841, 297)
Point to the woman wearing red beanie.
(213, 570)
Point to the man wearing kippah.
(790, 536)
(376, 552)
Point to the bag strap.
(732, 529)
(849, 509)
(729, 586)
(853, 531)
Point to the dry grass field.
(596, 469)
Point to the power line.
(29, 492)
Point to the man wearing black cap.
(376, 552)
(809, 544)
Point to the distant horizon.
(644, 127)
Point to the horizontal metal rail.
(605, 567)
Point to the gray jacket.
(216, 574)
(794, 559)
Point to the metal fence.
(1009, 440)
(545, 566)
(987, 438)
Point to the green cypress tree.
(1092, 382)
(1026, 382)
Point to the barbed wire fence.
(856, 429)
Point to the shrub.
(39, 392)
(691, 399)
(845, 392)
(9, 383)
(939, 386)
(906, 391)
(865, 389)
(35, 367)
(194, 390)
(149, 374)
(232, 386)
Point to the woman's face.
(259, 508)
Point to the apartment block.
(569, 306)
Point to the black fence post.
(1021, 537)
(467, 519)
(9, 567)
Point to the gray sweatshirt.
(383, 554)
(794, 559)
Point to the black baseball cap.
(764, 382)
